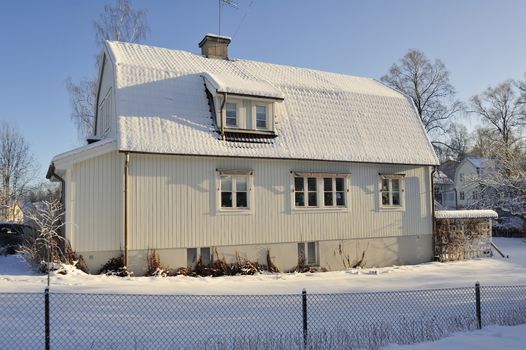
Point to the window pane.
(327, 199)
(205, 256)
(231, 114)
(312, 199)
(191, 257)
(396, 198)
(340, 198)
(311, 253)
(226, 183)
(261, 116)
(241, 199)
(241, 183)
(385, 198)
(226, 199)
(385, 184)
(301, 253)
(298, 184)
(300, 199)
(395, 184)
(311, 183)
(327, 183)
(340, 184)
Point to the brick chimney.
(215, 46)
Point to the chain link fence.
(311, 321)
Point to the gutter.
(50, 175)
(433, 206)
(225, 95)
(125, 233)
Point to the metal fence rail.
(313, 321)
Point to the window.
(461, 195)
(334, 191)
(391, 192)
(461, 177)
(261, 117)
(308, 253)
(234, 191)
(231, 114)
(306, 194)
(195, 255)
(319, 190)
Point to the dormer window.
(261, 117)
(231, 114)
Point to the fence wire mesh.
(335, 321)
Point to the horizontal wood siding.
(172, 203)
(96, 206)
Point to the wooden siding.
(95, 197)
(172, 204)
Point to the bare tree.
(17, 169)
(121, 23)
(484, 143)
(428, 85)
(502, 110)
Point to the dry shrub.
(115, 267)
(155, 268)
(270, 264)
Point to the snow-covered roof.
(465, 214)
(479, 162)
(162, 107)
(440, 178)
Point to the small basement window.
(308, 253)
(392, 190)
(193, 255)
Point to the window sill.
(387, 209)
(296, 210)
(233, 211)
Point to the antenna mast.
(230, 3)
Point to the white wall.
(469, 172)
(106, 120)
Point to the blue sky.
(43, 42)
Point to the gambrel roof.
(162, 107)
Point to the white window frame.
(268, 119)
(320, 191)
(250, 192)
(238, 114)
(390, 177)
(305, 245)
(246, 114)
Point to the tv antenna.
(230, 3)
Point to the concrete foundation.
(332, 255)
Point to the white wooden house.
(467, 176)
(204, 155)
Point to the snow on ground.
(15, 276)
(488, 338)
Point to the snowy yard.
(265, 311)
(15, 276)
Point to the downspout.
(126, 168)
(225, 95)
(433, 205)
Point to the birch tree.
(17, 170)
(503, 112)
(118, 22)
(427, 83)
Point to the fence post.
(477, 299)
(46, 317)
(304, 304)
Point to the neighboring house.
(445, 193)
(206, 156)
(467, 174)
(13, 213)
